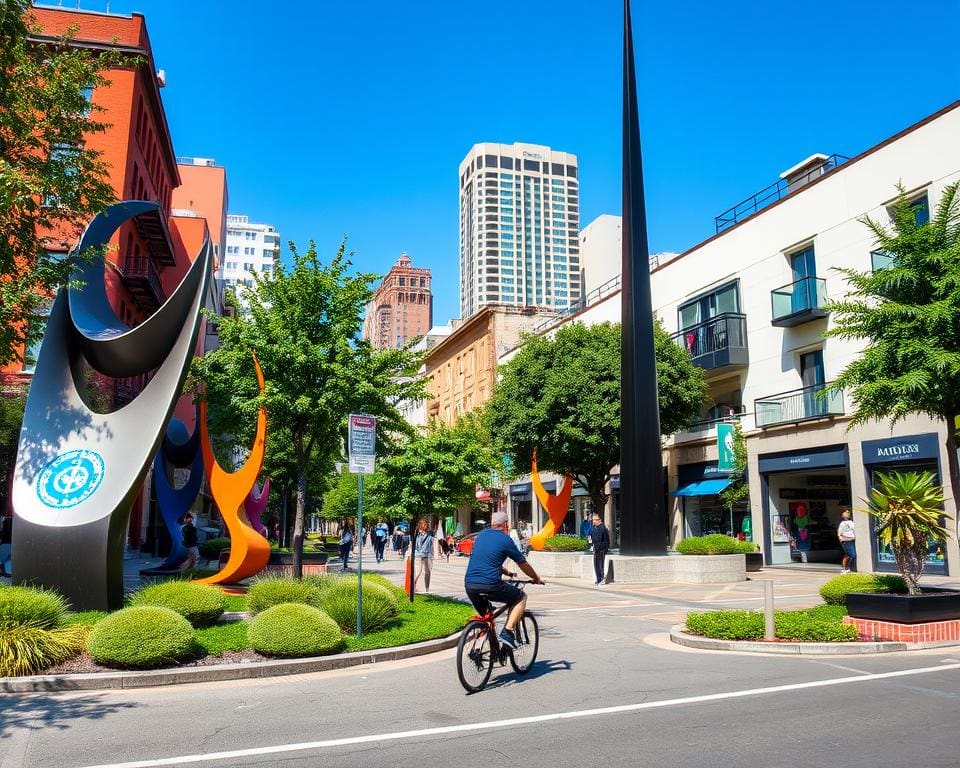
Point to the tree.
(11, 417)
(304, 324)
(51, 181)
(340, 502)
(739, 488)
(434, 472)
(908, 315)
(561, 395)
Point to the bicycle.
(480, 646)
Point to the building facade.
(250, 249)
(749, 305)
(402, 307)
(519, 227)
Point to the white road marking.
(517, 721)
(746, 599)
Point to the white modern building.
(519, 227)
(251, 248)
(749, 305)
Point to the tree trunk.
(953, 463)
(298, 526)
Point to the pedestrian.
(397, 535)
(585, 527)
(600, 537)
(188, 534)
(848, 542)
(423, 552)
(346, 544)
(451, 545)
(404, 542)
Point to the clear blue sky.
(351, 118)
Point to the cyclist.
(491, 547)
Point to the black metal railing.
(815, 402)
(718, 333)
(705, 425)
(804, 295)
(780, 189)
(613, 284)
(143, 269)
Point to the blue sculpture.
(178, 450)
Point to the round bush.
(835, 591)
(140, 637)
(294, 629)
(401, 598)
(565, 543)
(711, 544)
(339, 600)
(41, 608)
(275, 590)
(211, 548)
(199, 604)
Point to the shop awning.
(703, 487)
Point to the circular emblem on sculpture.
(70, 478)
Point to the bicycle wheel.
(474, 656)
(528, 642)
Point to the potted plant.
(908, 507)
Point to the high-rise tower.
(519, 227)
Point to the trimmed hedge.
(746, 547)
(835, 591)
(276, 590)
(565, 543)
(339, 600)
(292, 630)
(211, 548)
(726, 625)
(141, 637)
(711, 544)
(200, 604)
(822, 624)
(20, 606)
(26, 649)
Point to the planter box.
(754, 561)
(557, 565)
(653, 569)
(932, 605)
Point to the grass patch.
(430, 617)
(236, 603)
(84, 618)
(223, 638)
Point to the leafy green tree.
(11, 417)
(304, 323)
(907, 315)
(340, 502)
(561, 395)
(51, 181)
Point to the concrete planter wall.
(557, 565)
(656, 569)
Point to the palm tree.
(909, 507)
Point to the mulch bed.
(83, 664)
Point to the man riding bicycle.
(483, 584)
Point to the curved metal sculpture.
(78, 471)
(249, 551)
(556, 506)
(179, 449)
(256, 504)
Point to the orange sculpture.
(556, 506)
(249, 551)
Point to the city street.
(608, 687)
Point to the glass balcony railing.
(720, 342)
(816, 402)
(799, 302)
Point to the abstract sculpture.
(178, 450)
(249, 551)
(256, 504)
(556, 506)
(78, 471)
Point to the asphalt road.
(608, 689)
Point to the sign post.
(362, 449)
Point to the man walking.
(189, 534)
(600, 537)
(847, 534)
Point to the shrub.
(402, 600)
(800, 626)
(835, 591)
(821, 624)
(565, 543)
(211, 548)
(711, 544)
(727, 625)
(746, 547)
(339, 600)
(199, 604)
(293, 629)
(26, 649)
(275, 590)
(141, 636)
(41, 608)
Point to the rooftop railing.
(602, 291)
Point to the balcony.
(805, 404)
(719, 344)
(799, 302)
(142, 279)
(707, 425)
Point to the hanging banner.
(725, 461)
(362, 439)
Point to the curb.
(94, 681)
(678, 636)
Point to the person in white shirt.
(848, 541)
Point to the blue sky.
(351, 118)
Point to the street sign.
(726, 459)
(362, 439)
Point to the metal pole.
(769, 629)
(360, 559)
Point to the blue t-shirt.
(491, 547)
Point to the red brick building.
(402, 307)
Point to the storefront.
(521, 505)
(802, 494)
(704, 512)
(913, 453)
